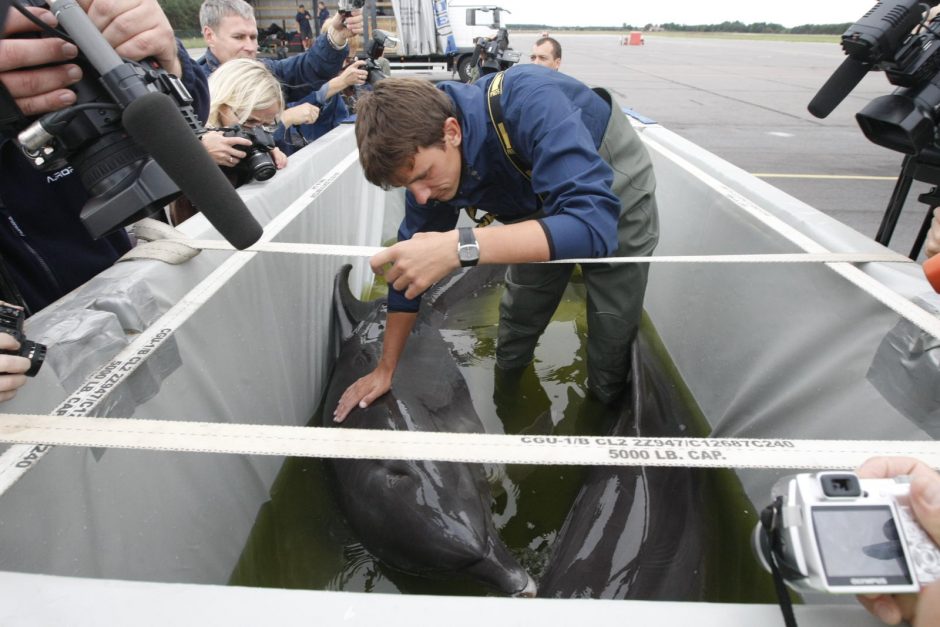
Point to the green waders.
(614, 291)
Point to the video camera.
(258, 163)
(11, 321)
(833, 532)
(373, 51)
(495, 52)
(124, 182)
(897, 38)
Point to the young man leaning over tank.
(580, 185)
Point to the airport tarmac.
(745, 101)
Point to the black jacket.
(45, 249)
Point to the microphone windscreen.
(156, 124)
(842, 81)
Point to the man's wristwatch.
(468, 251)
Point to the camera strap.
(495, 109)
(767, 519)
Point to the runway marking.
(823, 177)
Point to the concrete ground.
(745, 101)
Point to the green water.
(300, 539)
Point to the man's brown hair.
(556, 47)
(397, 118)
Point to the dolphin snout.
(529, 591)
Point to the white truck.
(432, 34)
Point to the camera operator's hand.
(136, 29)
(37, 89)
(354, 74)
(932, 247)
(342, 28)
(224, 150)
(304, 113)
(12, 368)
(920, 609)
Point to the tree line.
(724, 27)
(183, 15)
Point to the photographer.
(231, 32)
(242, 92)
(295, 132)
(46, 249)
(243, 95)
(923, 609)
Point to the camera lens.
(35, 353)
(261, 166)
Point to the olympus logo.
(52, 178)
(868, 581)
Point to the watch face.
(469, 252)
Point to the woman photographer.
(246, 104)
(242, 92)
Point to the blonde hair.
(244, 86)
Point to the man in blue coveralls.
(567, 174)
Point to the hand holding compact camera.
(11, 322)
(834, 532)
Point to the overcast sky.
(616, 12)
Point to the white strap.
(368, 251)
(160, 241)
(252, 439)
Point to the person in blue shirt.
(231, 32)
(574, 182)
(323, 15)
(303, 18)
(44, 248)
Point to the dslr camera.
(258, 163)
(346, 7)
(124, 183)
(833, 532)
(11, 321)
(374, 50)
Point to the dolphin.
(422, 517)
(634, 532)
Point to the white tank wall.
(766, 350)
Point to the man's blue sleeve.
(434, 216)
(320, 63)
(567, 172)
(195, 82)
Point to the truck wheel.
(463, 68)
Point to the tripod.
(924, 166)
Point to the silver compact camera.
(833, 532)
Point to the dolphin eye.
(394, 478)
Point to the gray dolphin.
(423, 517)
(634, 532)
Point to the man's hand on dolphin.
(363, 392)
(418, 263)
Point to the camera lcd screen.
(860, 546)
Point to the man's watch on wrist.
(468, 251)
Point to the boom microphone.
(839, 85)
(155, 123)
